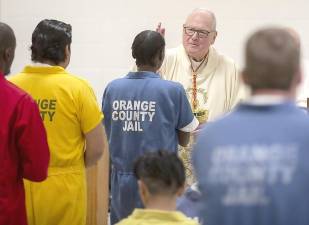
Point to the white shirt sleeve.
(191, 126)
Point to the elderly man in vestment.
(210, 79)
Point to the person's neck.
(166, 203)
(284, 94)
(147, 68)
(3, 71)
(51, 63)
(2, 68)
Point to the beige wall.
(103, 30)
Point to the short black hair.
(7, 45)
(7, 37)
(49, 40)
(146, 46)
(161, 171)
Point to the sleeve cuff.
(191, 126)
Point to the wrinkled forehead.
(200, 20)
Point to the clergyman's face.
(198, 35)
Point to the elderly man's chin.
(193, 47)
(193, 51)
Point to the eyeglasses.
(200, 33)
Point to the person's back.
(143, 117)
(258, 170)
(72, 119)
(251, 164)
(23, 143)
(142, 113)
(60, 97)
(161, 179)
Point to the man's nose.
(195, 36)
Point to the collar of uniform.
(265, 99)
(283, 106)
(38, 64)
(142, 75)
(148, 214)
(44, 69)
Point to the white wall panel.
(104, 30)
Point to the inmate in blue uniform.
(142, 113)
(252, 166)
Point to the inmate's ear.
(8, 54)
(143, 191)
(244, 77)
(180, 191)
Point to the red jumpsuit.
(24, 150)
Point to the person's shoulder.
(224, 59)
(18, 78)
(301, 116)
(14, 89)
(118, 82)
(172, 85)
(173, 51)
(18, 94)
(76, 79)
(126, 221)
(224, 56)
(75, 84)
(184, 220)
(191, 222)
(220, 124)
(15, 77)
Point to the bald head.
(201, 24)
(7, 48)
(206, 16)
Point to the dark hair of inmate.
(161, 171)
(49, 40)
(7, 37)
(272, 59)
(146, 46)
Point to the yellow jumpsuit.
(69, 110)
